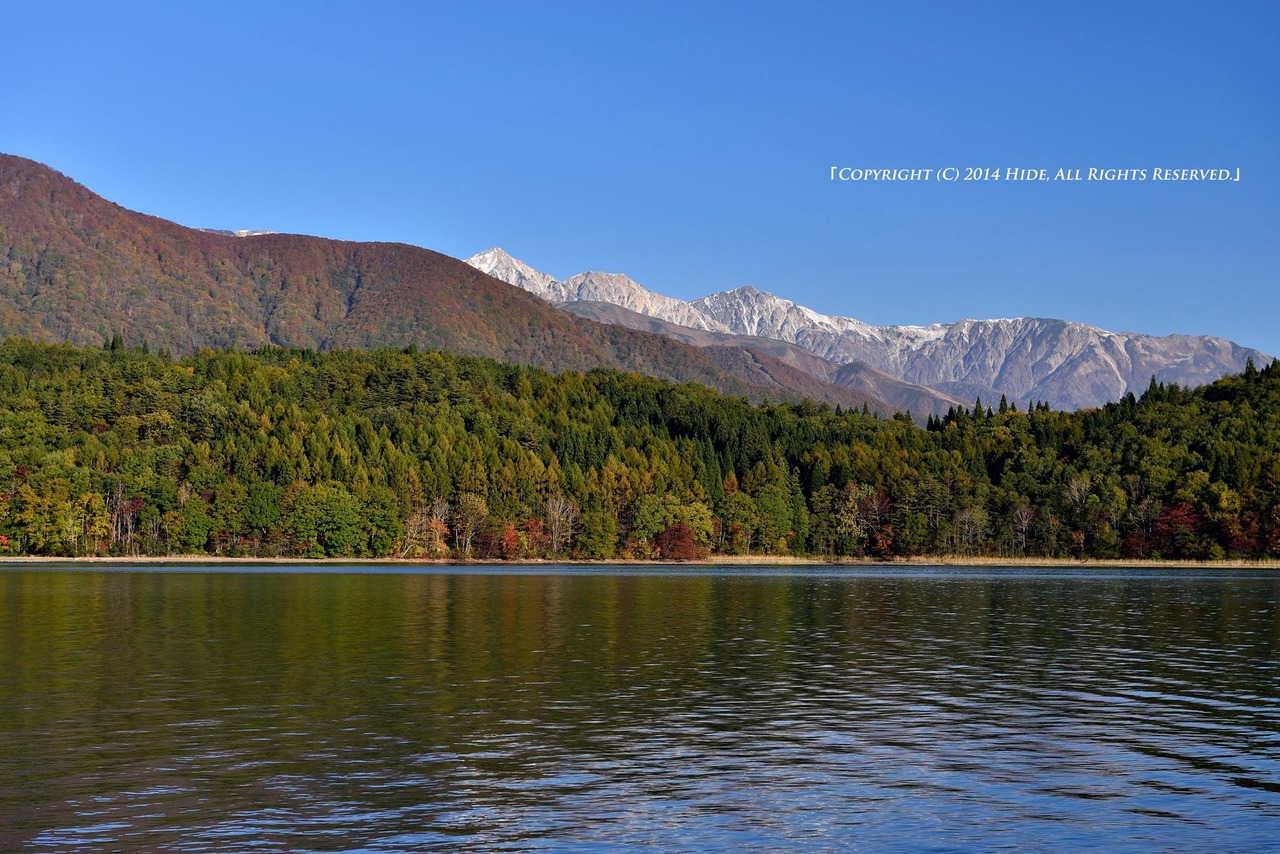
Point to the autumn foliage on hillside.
(77, 268)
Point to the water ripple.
(882, 710)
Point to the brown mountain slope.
(76, 267)
(81, 268)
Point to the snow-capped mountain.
(239, 232)
(613, 288)
(748, 311)
(617, 289)
(1069, 365)
(513, 271)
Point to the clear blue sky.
(690, 144)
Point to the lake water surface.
(364, 708)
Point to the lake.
(373, 708)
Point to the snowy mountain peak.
(494, 255)
(592, 286)
(239, 232)
(498, 263)
(596, 279)
(750, 311)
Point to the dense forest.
(284, 452)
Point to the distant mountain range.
(1068, 365)
(239, 232)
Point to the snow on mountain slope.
(613, 288)
(503, 267)
(1069, 365)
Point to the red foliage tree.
(535, 536)
(1176, 531)
(1136, 545)
(1271, 533)
(510, 542)
(676, 543)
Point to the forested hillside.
(75, 267)
(114, 450)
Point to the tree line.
(428, 455)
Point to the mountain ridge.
(898, 394)
(1068, 364)
(591, 286)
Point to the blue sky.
(690, 144)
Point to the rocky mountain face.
(619, 290)
(1068, 365)
(612, 288)
(503, 267)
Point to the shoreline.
(779, 561)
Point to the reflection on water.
(282, 711)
